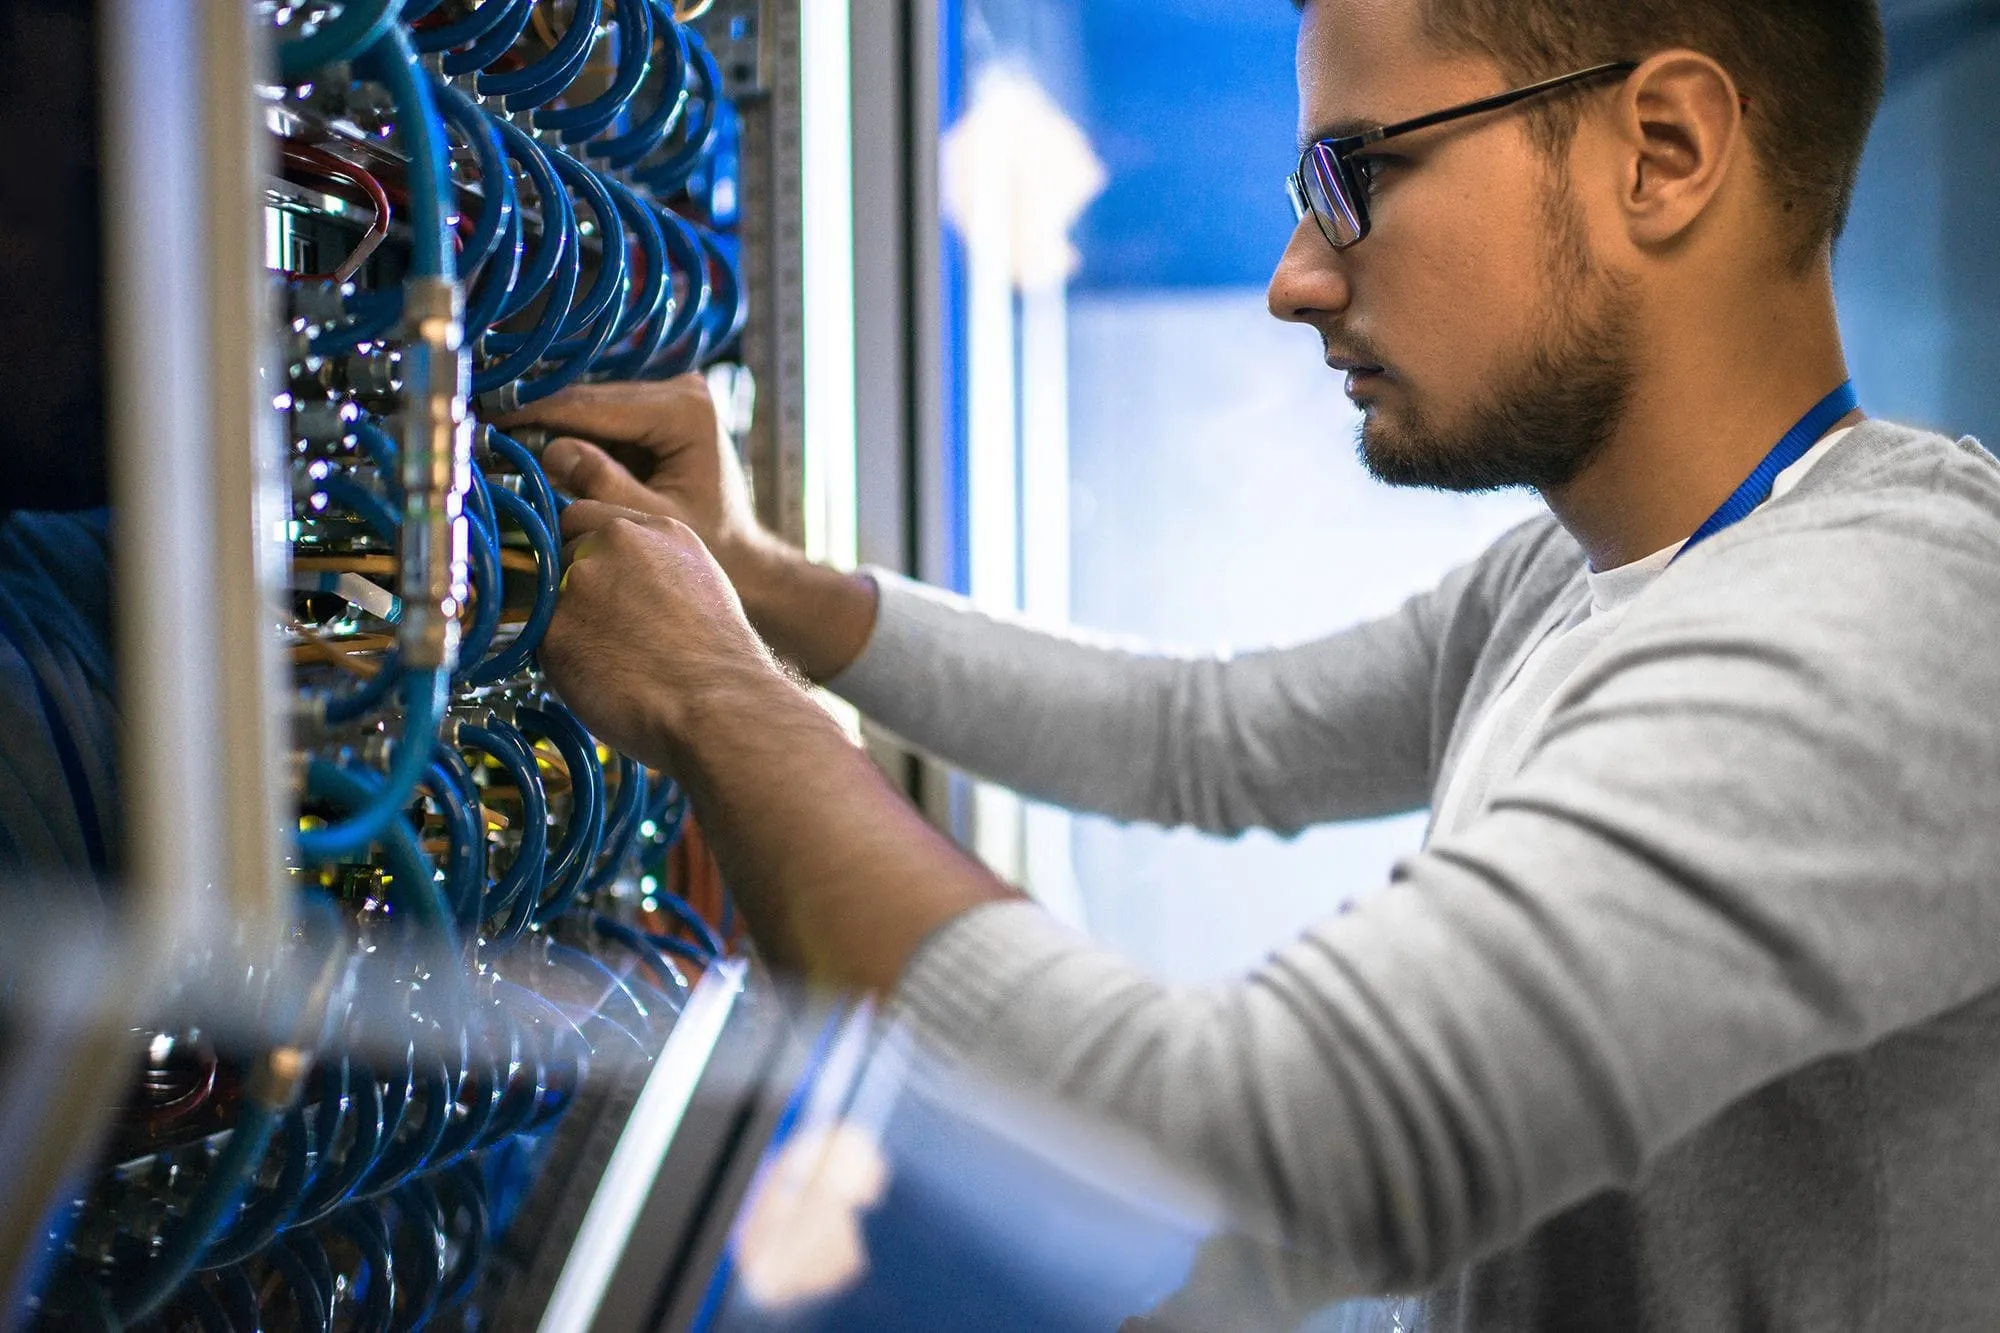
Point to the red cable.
(321, 165)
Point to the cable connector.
(437, 472)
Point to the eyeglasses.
(1332, 186)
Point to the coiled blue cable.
(377, 446)
(635, 58)
(495, 185)
(483, 548)
(650, 297)
(513, 658)
(266, 1212)
(652, 129)
(465, 831)
(372, 693)
(513, 21)
(496, 282)
(393, 63)
(523, 879)
(638, 942)
(471, 28)
(374, 1288)
(379, 815)
(542, 79)
(540, 494)
(333, 1184)
(621, 826)
(583, 835)
(670, 344)
(699, 126)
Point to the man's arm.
(1756, 835)
(1346, 728)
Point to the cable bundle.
(513, 196)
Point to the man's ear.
(1680, 126)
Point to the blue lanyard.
(1798, 442)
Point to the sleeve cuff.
(911, 619)
(971, 970)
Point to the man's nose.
(1311, 280)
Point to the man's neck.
(1707, 411)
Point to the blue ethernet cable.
(511, 751)
(544, 78)
(698, 128)
(392, 62)
(332, 1184)
(558, 219)
(450, 785)
(635, 57)
(666, 348)
(378, 806)
(482, 548)
(650, 297)
(649, 131)
(513, 658)
(497, 198)
(535, 481)
(577, 850)
(621, 826)
(650, 953)
(464, 31)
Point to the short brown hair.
(1814, 71)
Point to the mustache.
(1349, 348)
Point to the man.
(1687, 1016)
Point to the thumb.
(587, 472)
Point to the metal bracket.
(735, 33)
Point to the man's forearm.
(817, 618)
(838, 877)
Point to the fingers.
(630, 413)
(589, 473)
(584, 517)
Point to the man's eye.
(1369, 170)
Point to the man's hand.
(647, 629)
(839, 879)
(654, 446)
(657, 448)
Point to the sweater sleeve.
(1758, 832)
(1349, 727)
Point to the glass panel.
(1147, 450)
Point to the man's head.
(1525, 267)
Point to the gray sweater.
(1696, 1027)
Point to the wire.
(651, 130)
(635, 58)
(544, 78)
(376, 810)
(583, 835)
(515, 656)
(306, 159)
(507, 747)
(393, 63)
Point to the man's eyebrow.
(1339, 129)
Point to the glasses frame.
(1331, 160)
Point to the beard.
(1556, 408)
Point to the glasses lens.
(1295, 194)
(1339, 206)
